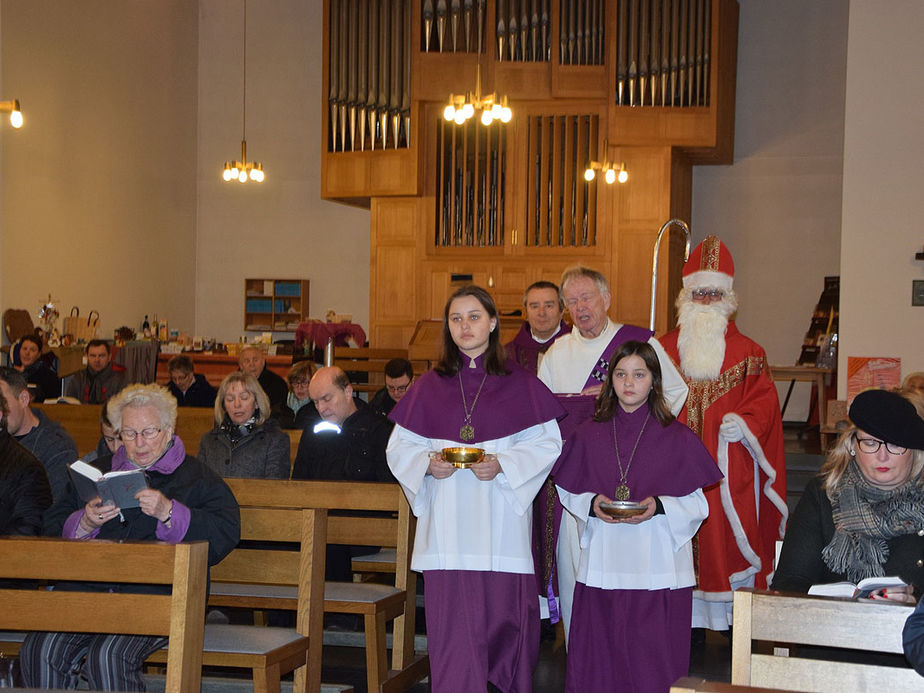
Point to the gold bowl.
(622, 509)
(463, 458)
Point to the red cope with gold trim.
(732, 543)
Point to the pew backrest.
(81, 421)
(392, 527)
(788, 620)
(178, 615)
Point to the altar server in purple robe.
(473, 527)
(633, 602)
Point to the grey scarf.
(865, 518)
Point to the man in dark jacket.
(45, 439)
(349, 441)
(24, 490)
(398, 376)
(191, 389)
(347, 444)
(98, 381)
(252, 361)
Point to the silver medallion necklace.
(467, 432)
(622, 491)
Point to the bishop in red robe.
(734, 408)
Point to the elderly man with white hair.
(734, 408)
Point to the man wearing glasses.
(733, 407)
(398, 376)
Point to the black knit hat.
(889, 417)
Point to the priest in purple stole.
(633, 601)
(576, 366)
(543, 325)
(474, 524)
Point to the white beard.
(701, 342)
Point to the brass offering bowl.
(463, 458)
(622, 509)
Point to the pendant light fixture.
(491, 106)
(243, 170)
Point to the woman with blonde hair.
(863, 515)
(245, 441)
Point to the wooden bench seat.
(789, 620)
(376, 603)
(178, 615)
(271, 652)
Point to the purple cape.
(525, 350)
(670, 460)
(507, 403)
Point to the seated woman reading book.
(861, 517)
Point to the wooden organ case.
(646, 83)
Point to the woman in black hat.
(863, 515)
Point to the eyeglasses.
(299, 382)
(150, 433)
(871, 446)
(700, 294)
(397, 389)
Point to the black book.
(118, 488)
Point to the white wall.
(778, 207)
(883, 184)
(281, 228)
(98, 189)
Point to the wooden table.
(216, 366)
(809, 374)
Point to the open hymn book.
(862, 589)
(118, 488)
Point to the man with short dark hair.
(41, 436)
(191, 389)
(24, 490)
(543, 325)
(252, 361)
(398, 376)
(98, 381)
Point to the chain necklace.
(467, 432)
(622, 491)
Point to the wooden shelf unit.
(275, 305)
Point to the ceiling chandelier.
(244, 170)
(461, 108)
(612, 172)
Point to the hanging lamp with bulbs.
(243, 170)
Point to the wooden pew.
(371, 362)
(694, 684)
(82, 422)
(178, 615)
(377, 603)
(788, 619)
(271, 652)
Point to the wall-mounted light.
(12, 107)
(612, 172)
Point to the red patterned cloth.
(317, 334)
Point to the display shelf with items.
(275, 305)
(819, 348)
